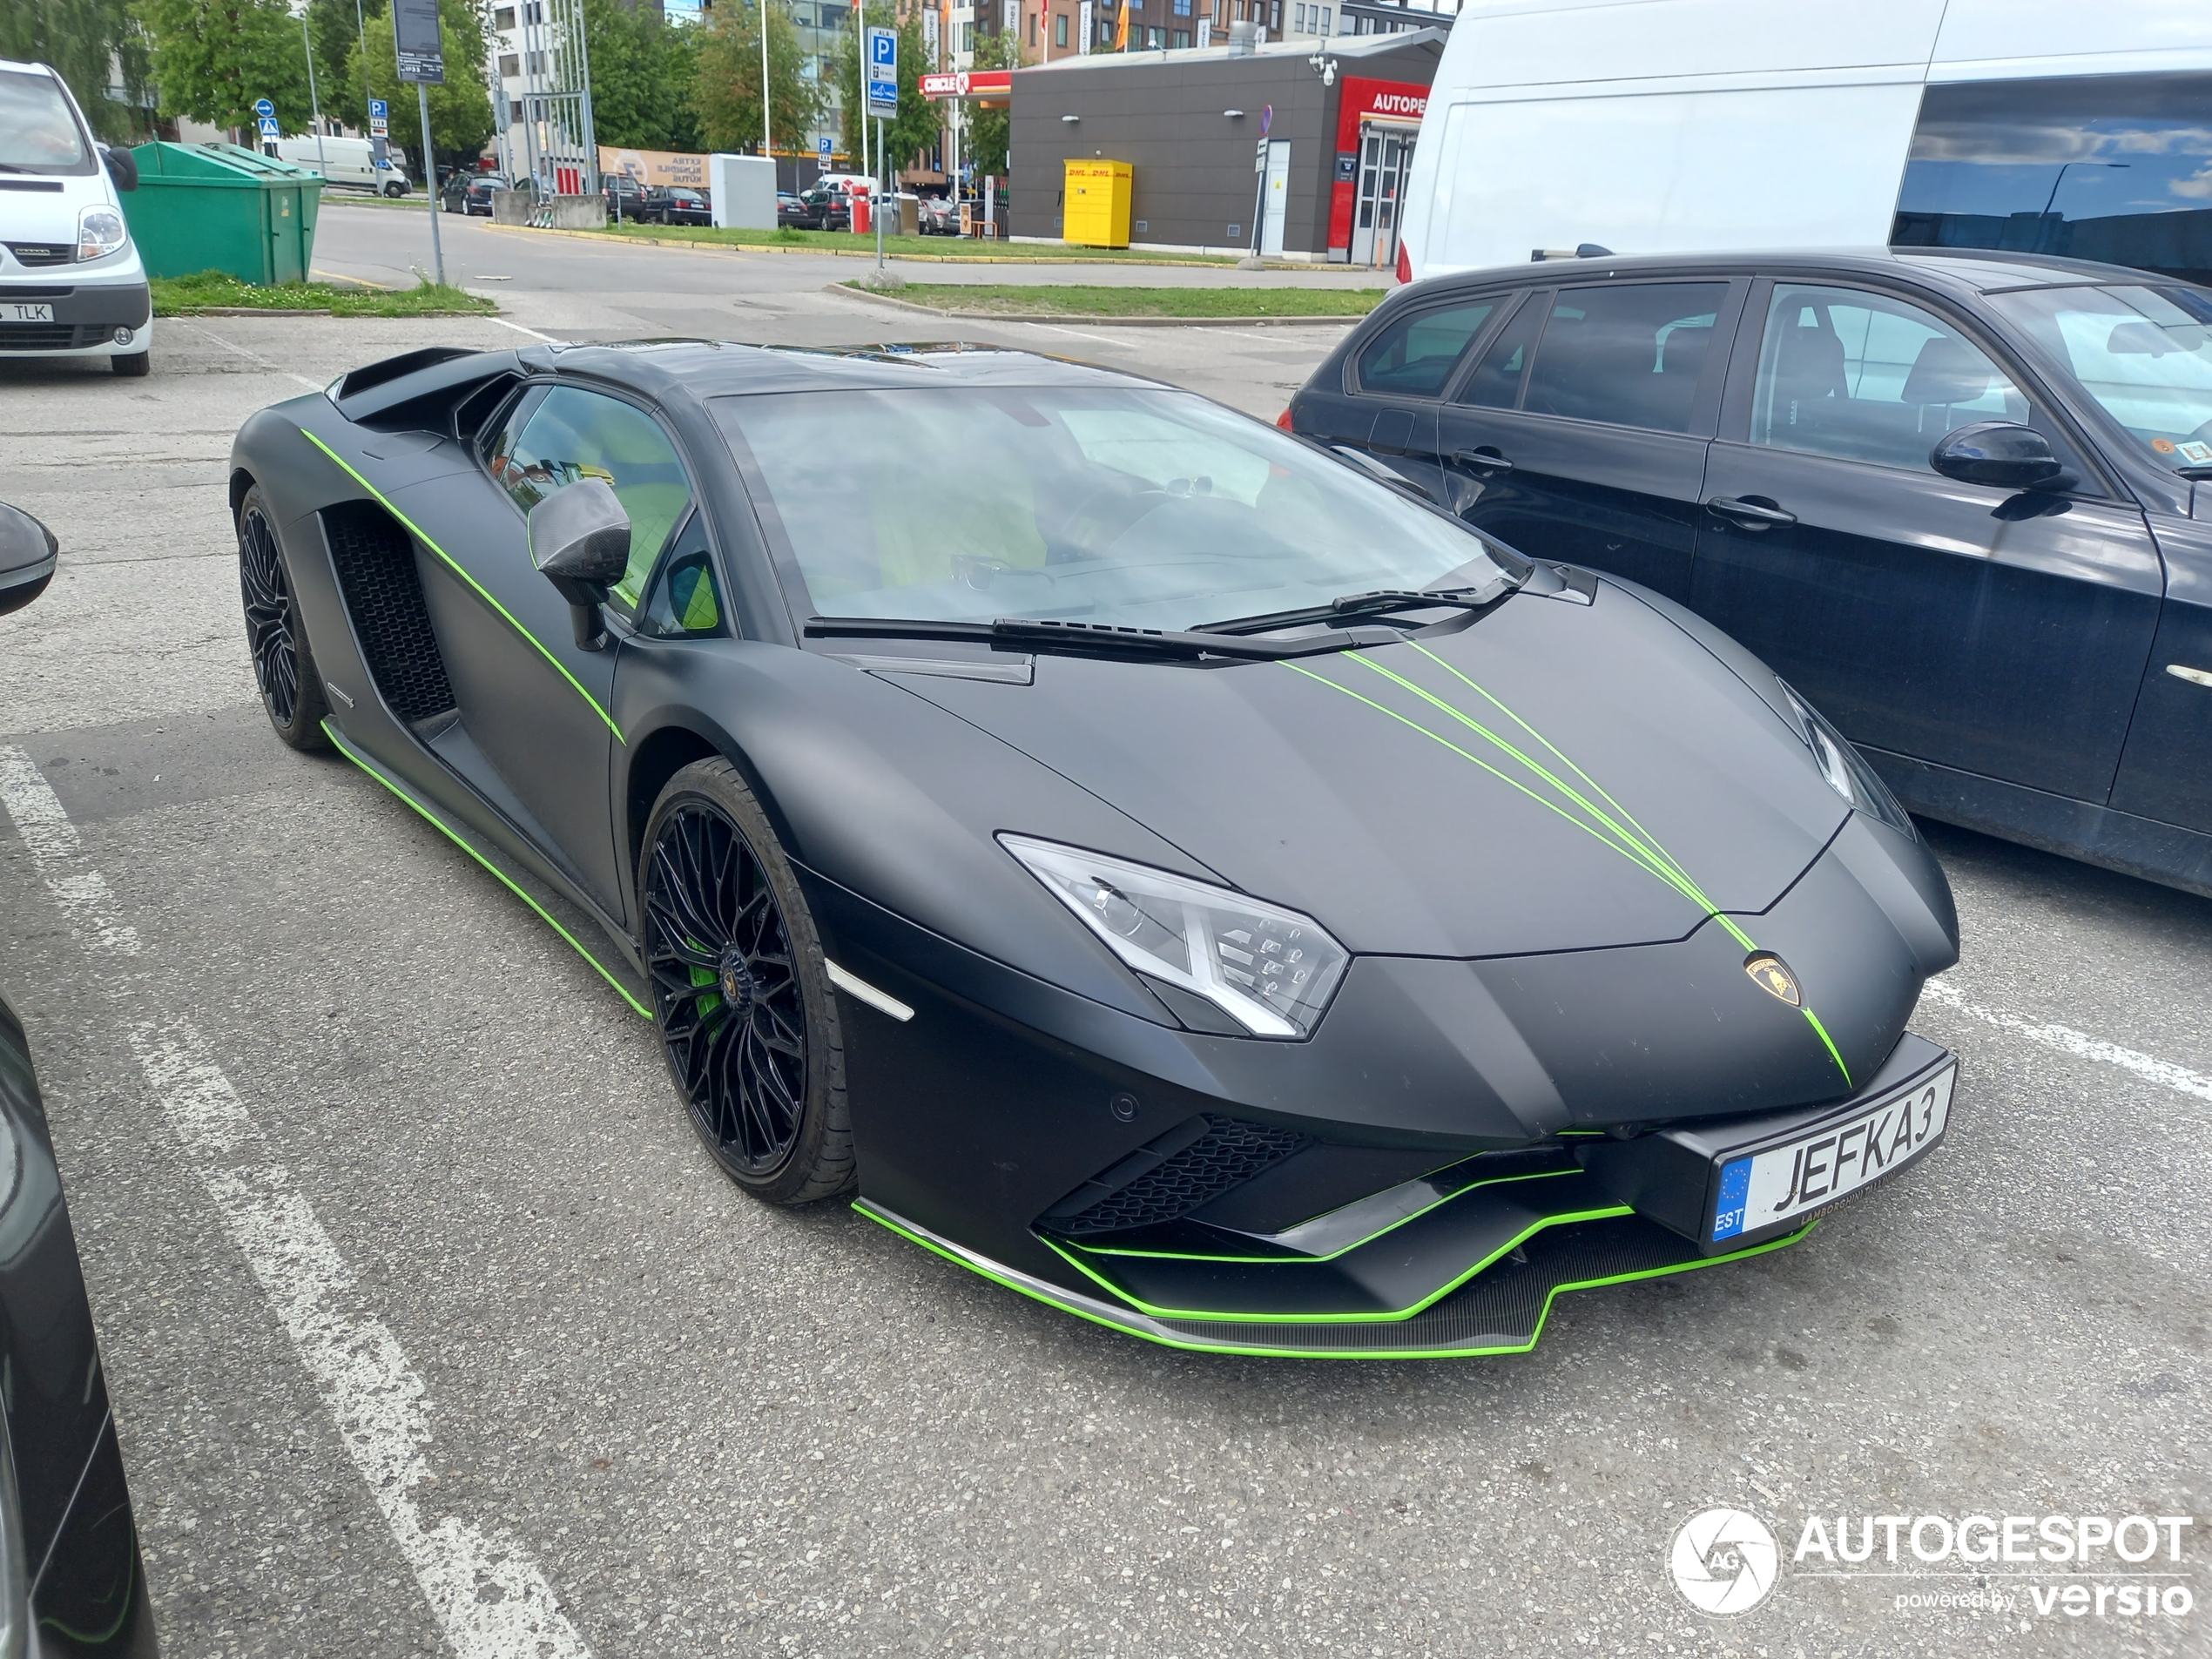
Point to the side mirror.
(1997, 452)
(122, 166)
(579, 536)
(28, 552)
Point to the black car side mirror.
(2002, 453)
(122, 166)
(579, 536)
(28, 552)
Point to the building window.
(1275, 18)
(510, 65)
(1060, 28)
(1157, 39)
(1105, 31)
(967, 34)
(1180, 40)
(503, 19)
(1181, 8)
(1325, 20)
(534, 12)
(1032, 29)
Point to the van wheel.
(395, 191)
(133, 364)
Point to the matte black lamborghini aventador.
(1177, 874)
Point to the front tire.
(741, 990)
(283, 666)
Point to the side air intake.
(1192, 1164)
(376, 576)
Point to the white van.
(1646, 126)
(70, 282)
(348, 162)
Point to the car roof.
(29, 68)
(1972, 269)
(715, 368)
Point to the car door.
(1580, 431)
(534, 733)
(1960, 624)
(1387, 403)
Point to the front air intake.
(1190, 1165)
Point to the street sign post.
(263, 108)
(420, 52)
(883, 103)
(822, 156)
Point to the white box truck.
(348, 163)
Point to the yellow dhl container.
(1095, 206)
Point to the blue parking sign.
(883, 73)
(378, 110)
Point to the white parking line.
(2066, 1039)
(251, 356)
(486, 1592)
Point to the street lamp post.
(2043, 219)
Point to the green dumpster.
(217, 207)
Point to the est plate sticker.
(1789, 1182)
(20, 311)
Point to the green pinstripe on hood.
(1512, 763)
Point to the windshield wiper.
(1380, 602)
(1092, 638)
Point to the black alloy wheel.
(741, 991)
(284, 668)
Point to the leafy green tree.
(331, 26)
(725, 86)
(642, 73)
(459, 110)
(80, 39)
(213, 58)
(989, 132)
(914, 129)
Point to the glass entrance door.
(1385, 153)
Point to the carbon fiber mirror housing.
(579, 537)
(27, 558)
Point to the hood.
(32, 211)
(1554, 776)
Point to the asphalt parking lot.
(431, 1329)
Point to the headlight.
(99, 233)
(1270, 969)
(1846, 770)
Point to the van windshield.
(38, 130)
(1103, 504)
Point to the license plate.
(1788, 1183)
(19, 311)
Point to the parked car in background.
(72, 1581)
(71, 283)
(349, 164)
(476, 200)
(627, 200)
(939, 216)
(1958, 500)
(820, 208)
(681, 204)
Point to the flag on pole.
(1120, 30)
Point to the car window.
(1631, 355)
(571, 433)
(1414, 357)
(685, 600)
(1495, 383)
(38, 133)
(1862, 376)
(1114, 505)
(2144, 353)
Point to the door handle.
(1483, 460)
(1753, 513)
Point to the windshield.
(38, 132)
(1132, 507)
(2145, 354)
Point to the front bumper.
(86, 316)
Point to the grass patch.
(908, 247)
(215, 290)
(1081, 300)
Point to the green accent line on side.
(1830, 1042)
(543, 914)
(1606, 1212)
(1309, 1261)
(460, 570)
(1191, 1345)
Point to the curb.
(608, 239)
(846, 288)
(251, 311)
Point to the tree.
(990, 130)
(213, 58)
(80, 39)
(726, 86)
(914, 129)
(459, 110)
(332, 25)
(642, 74)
